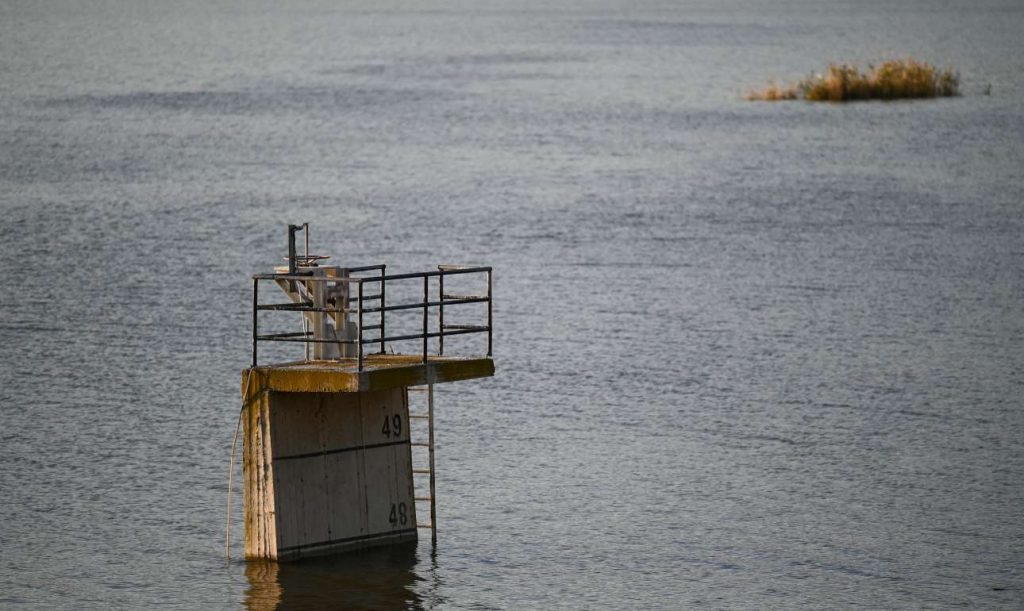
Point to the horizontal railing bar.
(302, 277)
(429, 304)
(464, 297)
(466, 327)
(483, 329)
(285, 306)
(298, 307)
(286, 276)
(449, 300)
(395, 338)
(403, 338)
(366, 268)
(308, 307)
(276, 338)
(455, 330)
(280, 336)
(464, 270)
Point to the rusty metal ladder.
(420, 470)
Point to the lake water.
(749, 355)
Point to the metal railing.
(363, 303)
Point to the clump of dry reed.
(890, 80)
(774, 93)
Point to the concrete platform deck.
(380, 371)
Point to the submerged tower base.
(327, 453)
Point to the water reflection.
(380, 578)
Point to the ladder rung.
(419, 416)
(421, 498)
(420, 445)
(421, 470)
(430, 526)
(418, 389)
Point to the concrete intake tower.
(330, 446)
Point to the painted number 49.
(392, 426)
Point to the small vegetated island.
(890, 80)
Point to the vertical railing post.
(291, 248)
(383, 304)
(359, 328)
(489, 317)
(426, 311)
(255, 322)
(430, 447)
(306, 333)
(316, 292)
(440, 313)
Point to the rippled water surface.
(749, 356)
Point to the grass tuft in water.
(891, 80)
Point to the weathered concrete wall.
(326, 472)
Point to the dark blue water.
(750, 356)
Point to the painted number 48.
(399, 515)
